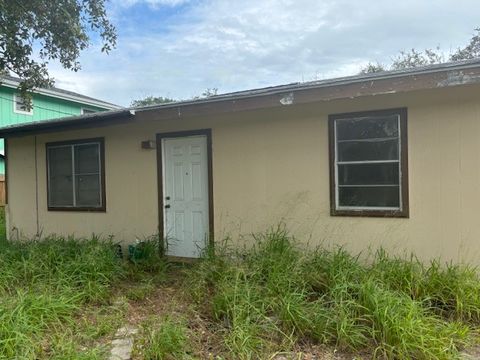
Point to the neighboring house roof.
(13, 82)
(391, 82)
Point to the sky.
(179, 48)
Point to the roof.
(381, 83)
(13, 82)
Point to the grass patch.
(63, 298)
(164, 339)
(3, 226)
(53, 294)
(275, 296)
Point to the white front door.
(185, 192)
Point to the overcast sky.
(178, 48)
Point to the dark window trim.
(402, 213)
(179, 134)
(103, 207)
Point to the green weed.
(140, 290)
(165, 339)
(43, 286)
(274, 295)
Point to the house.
(388, 159)
(46, 104)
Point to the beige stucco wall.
(271, 166)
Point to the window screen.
(367, 161)
(75, 175)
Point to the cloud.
(234, 45)
(153, 3)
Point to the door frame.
(160, 180)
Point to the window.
(368, 163)
(85, 111)
(75, 172)
(20, 106)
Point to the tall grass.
(165, 339)
(44, 283)
(3, 227)
(450, 290)
(274, 295)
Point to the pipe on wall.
(36, 189)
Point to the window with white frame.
(75, 175)
(20, 105)
(369, 163)
(85, 111)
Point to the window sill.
(23, 112)
(371, 213)
(78, 209)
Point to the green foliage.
(452, 291)
(274, 295)
(151, 100)
(43, 285)
(140, 290)
(415, 58)
(208, 92)
(372, 68)
(148, 257)
(158, 100)
(270, 298)
(3, 229)
(60, 29)
(404, 328)
(470, 51)
(165, 339)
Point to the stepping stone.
(122, 345)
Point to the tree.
(372, 68)
(471, 51)
(35, 32)
(414, 58)
(151, 100)
(407, 60)
(157, 100)
(209, 92)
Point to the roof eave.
(444, 76)
(69, 123)
(59, 95)
(439, 76)
(320, 92)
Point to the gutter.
(428, 77)
(67, 123)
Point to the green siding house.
(46, 104)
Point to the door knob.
(167, 197)
(167, 206)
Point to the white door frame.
(160, 176)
